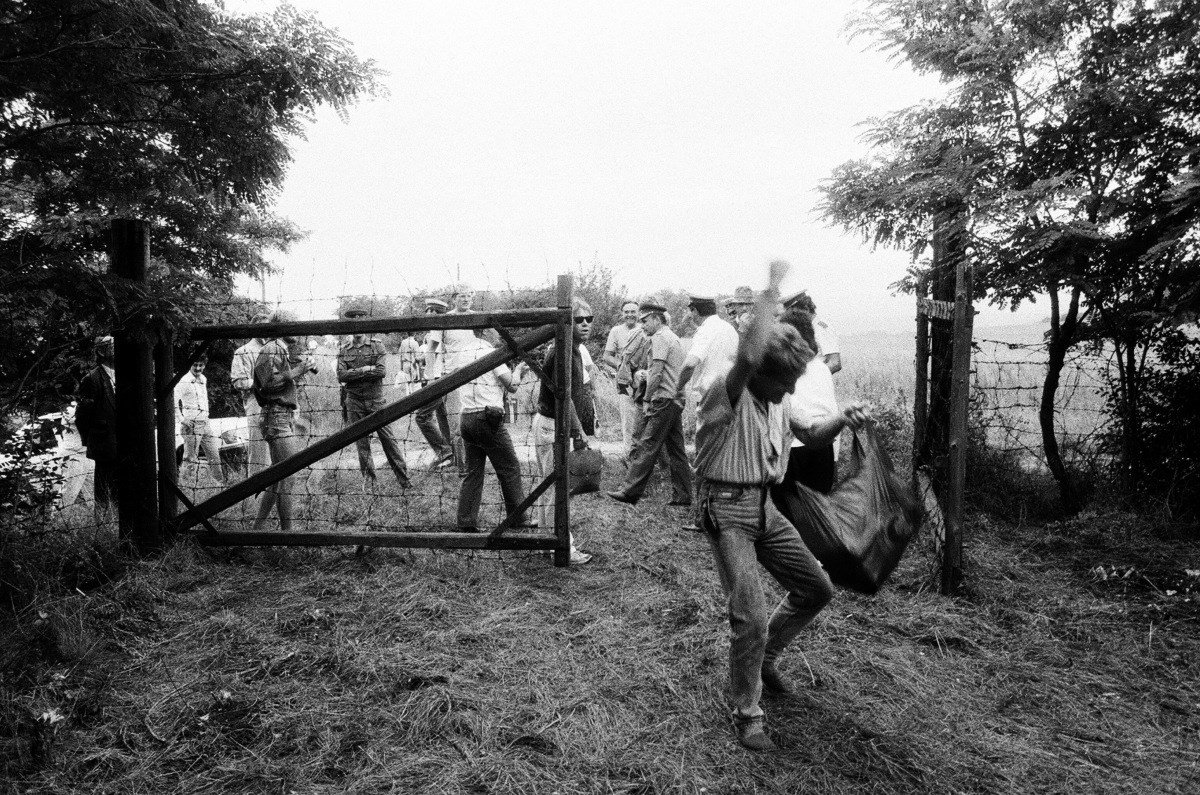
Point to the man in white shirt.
(191, 401)
(622, 352)
(241, 374)
(485, 438)
(714, 346)
(813, 401)
(455, 347)
(828, 346)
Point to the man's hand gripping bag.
(859, 530)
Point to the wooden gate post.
(168, 470)
(564, 342)
(960, 397)
(137, 483)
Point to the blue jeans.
(744, 529)
(486, 439)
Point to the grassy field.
(1070, 665)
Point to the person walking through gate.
(663, 426)
(361, 369)
(622, 352)
(485, 438)
(241, 375)
(96, 420)
(431, 418)
(275, 390)
(191, 401)
(548, 407)
(741, 448)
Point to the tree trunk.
(1062, 337)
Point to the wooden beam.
(526, 503)
(510, 541)
(137, 449)
(960, 397)
(168, 473)
(921, 385)
(357, 430)
(564, 349)
(517, 318)
(525, 355)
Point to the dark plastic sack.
(860, 530)
(584, 466)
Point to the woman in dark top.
(583, 416)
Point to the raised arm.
(753, 344)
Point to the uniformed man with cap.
(828, 347)
(361, 370)
(431, 418)
(662, 429)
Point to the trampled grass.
(413, 671)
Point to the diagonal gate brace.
(355, 431)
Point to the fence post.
(168, 471)
(960, 397)
(921, 386)
(564, 341)
(137, 486)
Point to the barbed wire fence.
(1008, 379)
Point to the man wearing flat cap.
(361, 371)
(431, 418)
(828, 347)
(662, 429)
(739, 305)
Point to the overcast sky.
(679, 144)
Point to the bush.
(30, 476)
(1168, 433)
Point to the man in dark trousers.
(361, 370)
(96, 419)
(662, 429)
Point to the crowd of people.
(760, 373)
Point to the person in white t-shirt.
(455, 346)
(813, 401)
(828, 346)
(191, 401)
(485, 438)
(714, 345)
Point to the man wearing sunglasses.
(662, 430)
(622, 352)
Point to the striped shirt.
(746, 444)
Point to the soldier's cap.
(648, 307)
(436, 304)
(700, 301)
(742, 296)
(800, 299)
(356, 308)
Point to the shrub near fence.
(1008, 463)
